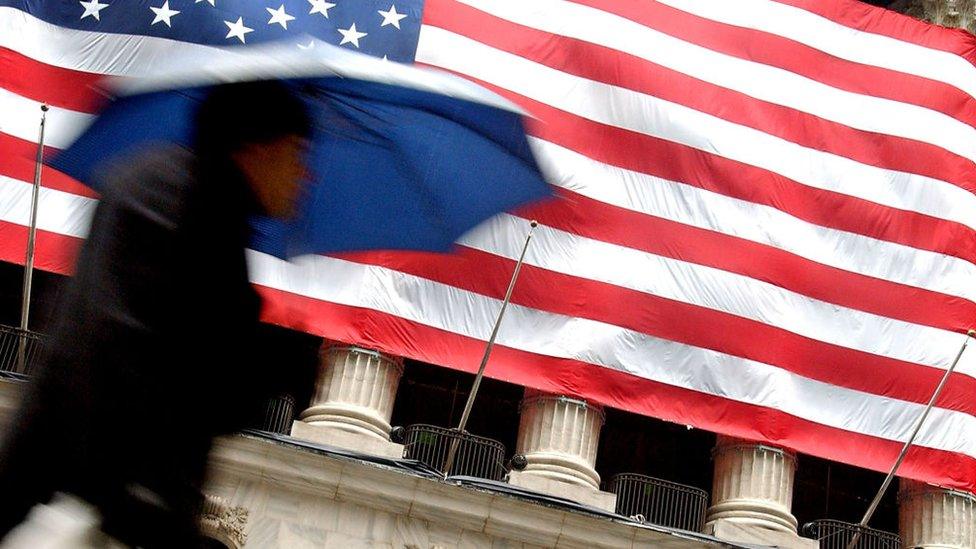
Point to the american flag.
(766, 216)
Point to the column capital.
(335, 347)
(725, 444)
(538, 398)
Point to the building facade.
(336, 473)
(338, 479)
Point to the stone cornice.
(389, 489)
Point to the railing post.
(473, 456)
(659, 501)
(18, 349)
(279, 412)
(836, 534)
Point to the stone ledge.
(379, 486)
(730, 530)
(340, 438)
(565, 490)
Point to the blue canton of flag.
(383, 28)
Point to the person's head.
(263, 129)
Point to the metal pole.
(31, 236)
(449, 462)
(908, 443)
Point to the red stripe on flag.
(401, 337)
(488, 274)
(873, 19)
(602, 64)
(676, 162)
(66, 88)
(593, 219)
(53, 252)
(778, 51)
(18, 161)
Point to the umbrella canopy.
(401, 158)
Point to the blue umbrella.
(402, 157)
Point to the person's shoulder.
(155, 181)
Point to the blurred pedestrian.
(152, 356)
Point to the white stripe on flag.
(718, 290)
(835, 39)
(764, 82)
(562, 252)
(550, 334)
(88, 51)
(57, 211)
(461, 312)
(22, 119)
(655, 117)
(762, 224)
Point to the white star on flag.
(391, 17)
(237, 29)
(320, 6)
(163, 13)
(211, 2)
(279, 16)
(351, 35)
(92, 7)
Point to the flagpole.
(31, 236)
(449, 462)
(908, 443)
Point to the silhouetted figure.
(152, 356)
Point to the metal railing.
(475, 456)
(661, 502)
(835, 534)
(278, 414)
(19, 349)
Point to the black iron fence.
(835, 534)
(661, 502)
(278, 414)
(475, 456)
(19, 349)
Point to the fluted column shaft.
(559, 437)
(934, 517)
(753, 485)
(355, 391)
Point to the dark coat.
(152, 354)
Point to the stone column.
(948, 13)
(559, 436)
(930, 516)
(752, 494)
(353, 401)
